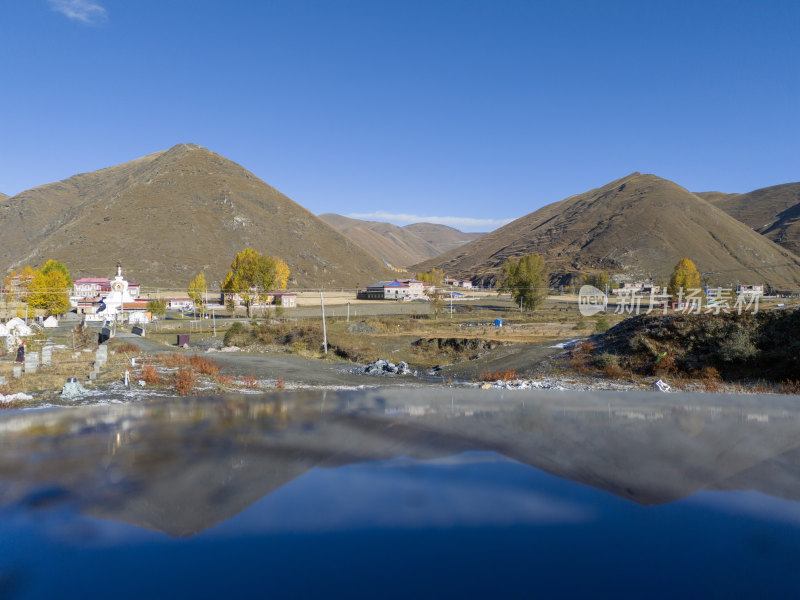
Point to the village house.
(283, 299)
(278, 298)
(179, 303)
(92, 287)
(386, 290)
(750, 291)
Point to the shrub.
(205, 366)
(250, 381)
(609, 364)
(185, 380)
(710, 378)
(737, 346)
(150, 375)
(280, 385)
(233, 331)
(127, 349)
(790, 387)
(602, 325)
(507, 375)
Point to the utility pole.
(324, 330)
(348, 312)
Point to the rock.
(385, 367)
(72, 389)
(360, 327)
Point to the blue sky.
(483, 110)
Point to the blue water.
(467, 524)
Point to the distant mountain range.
(173, 214)
(400, 246)
(639, 225)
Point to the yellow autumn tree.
(253, 275)
(49, 291)
(685, 276)
(17, 283)
(197, 291)
(434, 276)
(281, 274)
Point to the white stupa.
(118, 297)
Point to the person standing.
(21, 352)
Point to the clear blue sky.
(464, 109)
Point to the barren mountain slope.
(640, 224)
(773, 211)
(442, 237)
(170, 215)
(3, 196)
(388, 242)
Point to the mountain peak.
(639, 225)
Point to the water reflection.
(184, 467)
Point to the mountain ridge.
(772, 211)
(639, 224)
(400, 246)
(170, 215)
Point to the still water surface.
(428, 493)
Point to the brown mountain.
(170, 215)
(3, 196)
(640, 225)
(388, 242)
(442, 237)
(400, 246)
(773, 211)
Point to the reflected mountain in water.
(182, 467)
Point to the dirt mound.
(765, 345)
(470, 348)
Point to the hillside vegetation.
(639, 225)
(761, 346)
(170, 215)
(773, 212)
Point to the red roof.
(91, 280)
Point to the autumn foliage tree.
(526, 279)
(253, 275)
(18, 282)
(685, 276)
(197, 290)
(49, 288)
(434, 276)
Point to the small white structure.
(50, 322)
(139, 317)
(180, 303)
(119, 296)
(17, 326)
